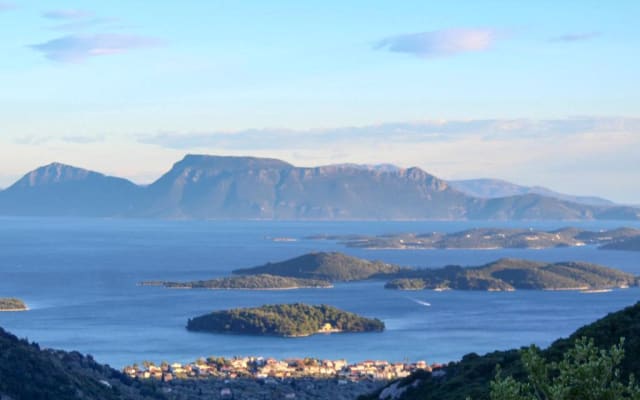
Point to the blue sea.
(79, 277)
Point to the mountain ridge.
(491, 188)
(233, 187)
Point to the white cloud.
(77, 48)
(440, 43)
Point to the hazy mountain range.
(217, 187)
(494, 188)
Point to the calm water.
(79, 278)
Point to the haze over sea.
(79, 278)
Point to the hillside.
(494, 188)
(470, 377)
(289, 320)
(628, 244)
(62, 190)
(511, 274)
(219, 187)
(30, 373)
(333, 267)
(251, 282)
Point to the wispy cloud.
(402, 132)
(6, 6)
(575, 37)
(67, 14)
(440, 43)
(77, 48)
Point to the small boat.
(424, 303)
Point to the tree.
(585, 373)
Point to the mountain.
(470, 377)
(333, 267)
(62, 190)
(493, 188)
(217, 187)
(247, 187)
(29, 373)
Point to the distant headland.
(494, 238)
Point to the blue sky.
(539, 92)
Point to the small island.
(492, 238)
(286, 320)
(12, 304)
(247, 282)
(511, 274)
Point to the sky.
(535, 92)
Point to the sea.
(80, 278)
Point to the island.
(332, 267)
(511, 274)
(247, 282)
(286, 320)
(488, 238)
(12, 304)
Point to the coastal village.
(273, 370)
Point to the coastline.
(15, 309)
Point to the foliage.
(333, 267)
(471, 376)
(27, 372)
(510, 274)
(262, 281)
(585, 373)
(283, 320)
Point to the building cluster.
(271, 369)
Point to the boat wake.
(423, 303)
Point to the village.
(273, 370)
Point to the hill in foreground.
(30, 373)
(289, 320)
(333, 267)
(511, 274)
(471, 376)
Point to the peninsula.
(287, 320)
(12, 304)
(627, 244)
(511, 274)
(492, 238)
(247, 282)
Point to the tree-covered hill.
(284, 320)
(333, 267)
(30, 373)
(471, 376)
(511, 274)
